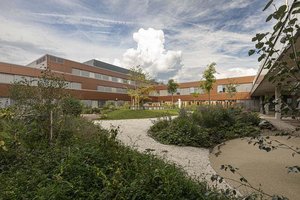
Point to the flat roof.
(103, 65)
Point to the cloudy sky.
(168, 38)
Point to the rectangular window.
(105, 77)
(92, 75)
(221, 89)
(98, 76)
(85, 73)
(244, 87)
(101, 88)
(114, 90)
(76, 72)
(163, 92)
(75, 86)
(120, 80)
(6, 78)
(192, 90)
(114, 79)
(18, 78)
(121, 90)
(107, 89)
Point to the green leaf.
(296, 11)
(277, 26)
(268, 4)
(259, 45)
(296, 4)
(293, 21)
(251, 52)
(282, 9)
(261, 36)
(290, 29)
(269, 17)
(261, 57)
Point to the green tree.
(208, 79)
(142, 86)
(231, 89)
(279, 49)
(37, 104)
(195, 95)
(172, 88)
(71, 106)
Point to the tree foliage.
(38, 106)
(279, 49)
(231, 89)
(143, 85)
(172, 87)
(208, 79)
(71, 106)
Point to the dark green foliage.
(71, 106)
(93, 166)
(46, 152)
(206, 127)
(180, 131)
(90, 110)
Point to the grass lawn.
(139, 114)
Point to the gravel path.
(133, 132)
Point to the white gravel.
(133, 132)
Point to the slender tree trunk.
(209, 98)
(172, 100)
(51, 126)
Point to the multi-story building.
(191, 93)
(96, 82)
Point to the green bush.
(90, 110)
(93, 166)
(71, 106)
(206, 127)
(180, 131)
(213, 116)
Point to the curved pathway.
(265, 170)
(133, 132)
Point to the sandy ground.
(195, 161)
(261, 167)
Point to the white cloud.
(151, 54)
(193, 33)
(23, 43)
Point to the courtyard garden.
(206, 127)
(47, 151)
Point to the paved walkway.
(261, 167)
(195, 161)
(281, 125)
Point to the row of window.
(88, 74)
(188, 91)
(239, 88)
(112, 89)
(180, 91)
(9, 78)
